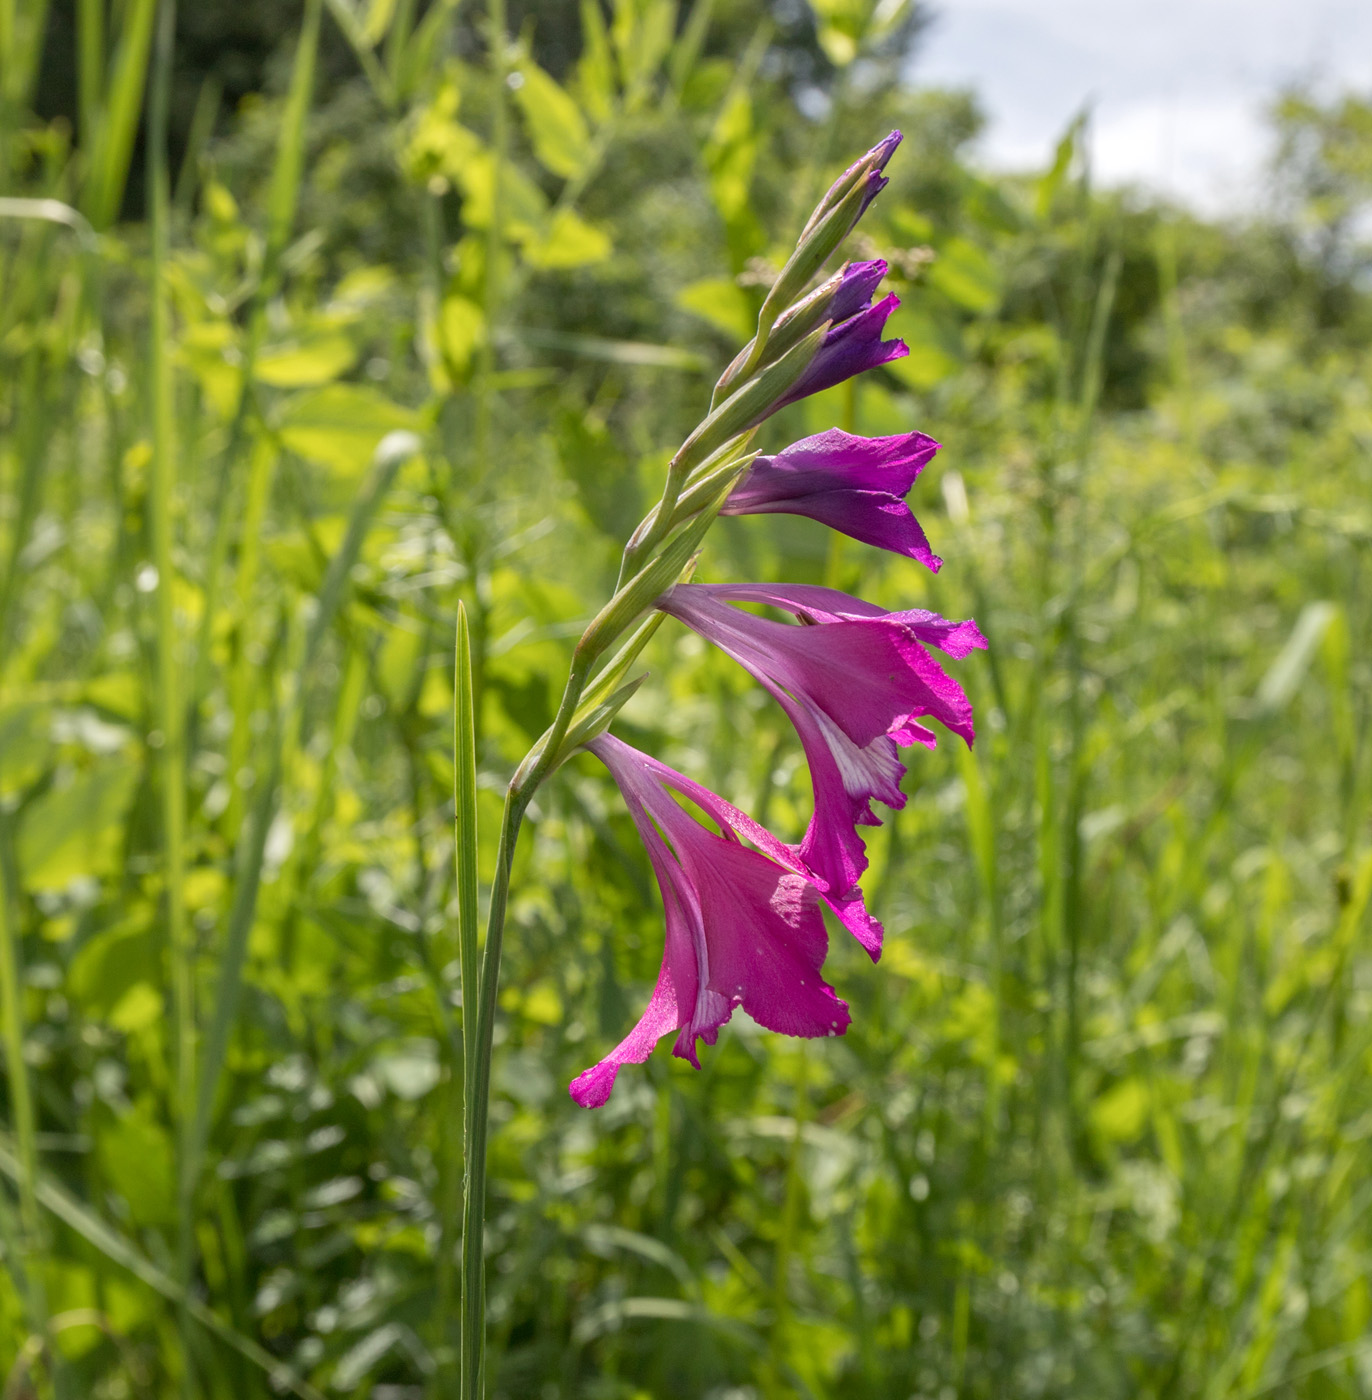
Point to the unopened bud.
(834, 300)
(874, 161)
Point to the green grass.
(1100, 1125)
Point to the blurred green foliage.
(1100, 1125)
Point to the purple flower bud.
(868, 168)
(852, 484)
(850, 346)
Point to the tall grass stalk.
(23, 26)
(490, 290)
(465, 853)
(90, 68)
(282, 201)
(180, 950)
(22, 1120)
(107, 167)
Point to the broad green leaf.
(74, 829)
(360, 290)
(438, 143)
(522, 203)
(138, 1010)
(721, 302)
(642, 31)
(24, 745)
(1120, 1114)
(842, 26)
(318, 360)
(135, 1156)
(568, 241)
(1050, 185)
(341, 424)
(731, 155)
(116, 691)
(966, 276)
(212, 353)
(595, 71)
(461, 329)
(556, 127)
(933, 350)
(113, 961)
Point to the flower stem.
(476, 1106)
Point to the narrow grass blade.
(283, 198)
(284, 194)
(23, 28)
(229, 985)
(21, 1103)
(465, 854)
(201, 129)
(392, 452)
(90, 67)
(108, 165)
(356, 36)
(118, 1250)
(464, 797)
(180, 949)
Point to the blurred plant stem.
(478, 1029)
(163, 493)
(30, 1242)
(282, 201)
(491, 288)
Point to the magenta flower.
(853, 484)
(855, 681)
(742, 930)
(853, 342)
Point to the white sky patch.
(1177, 87)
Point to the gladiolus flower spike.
(743, 916)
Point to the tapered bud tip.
(884, 150)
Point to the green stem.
(169, 690)
(21, 1107)
(90, 31)
(490, 294)
(465, 851)
(477, 1098)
